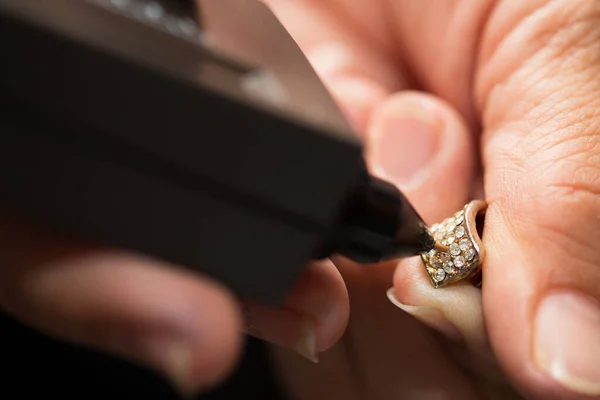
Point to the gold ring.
(458, 253)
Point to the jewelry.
(459, 252)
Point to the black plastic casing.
(210, 145)
(217, 150)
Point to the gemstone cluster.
(462, 257)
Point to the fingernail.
(428, 315)
(174, 359)
(282, 327)
(178, 363)
(171, 355)
(567, 341)
(307, 344)
(407, 141)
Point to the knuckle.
(566, 214)
(557, 166)
(549, 58)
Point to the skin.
(519, 80)
(496, 99)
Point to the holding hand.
(516, 90)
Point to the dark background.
(34, 366)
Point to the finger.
(355, 57)
(539, 91)
(145, 311)
(412, 130)
(455, 311)
(429, 126)
(357, 97)
(313, 317)
(421, 144)
(336, 44)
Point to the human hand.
(168, 319)
(516, 89)
(527, 60)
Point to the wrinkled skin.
(454, 100)
(490, 70)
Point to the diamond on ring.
(465, 252)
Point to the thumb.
(539, 91)
(182, 325)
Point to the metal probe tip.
(440, 247)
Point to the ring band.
(459, 253)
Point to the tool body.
(205, 140)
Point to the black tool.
(208, 142)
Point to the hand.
(514, 87)
(176, 322)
